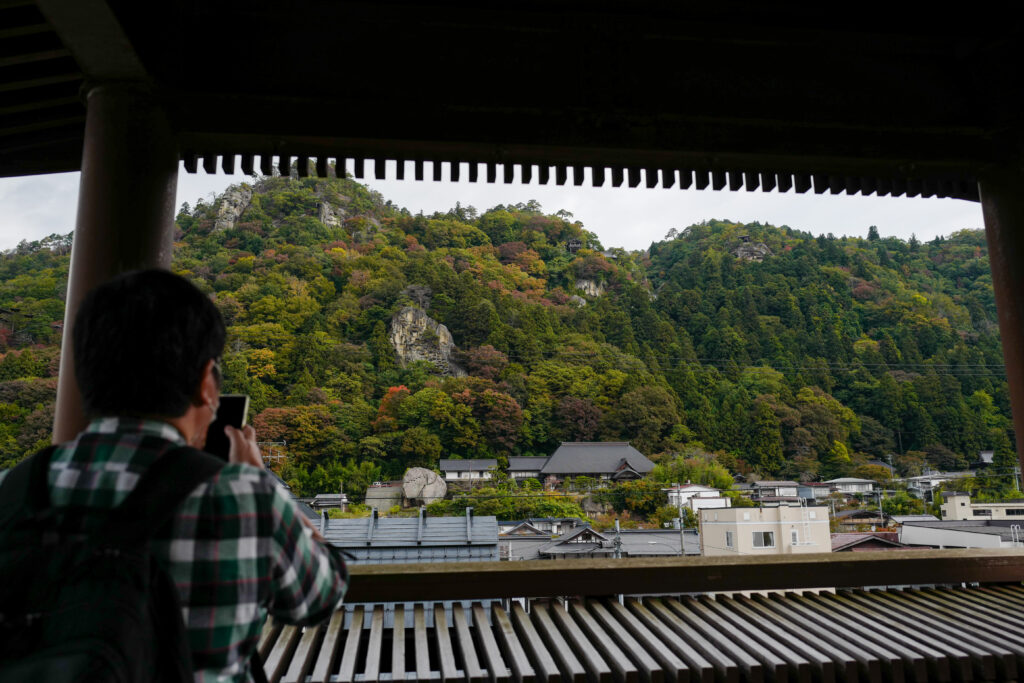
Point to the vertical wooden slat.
(371, 670)
(825, 656)
(515, 655)
(305, 654)
(329, 647)
(697, 648)
(751, 667)
(777, 657)
(445, 653)
(675, 669)
(398, 645)
(419, 626)
(269, 635)
(499, 672)
(470, 662)
(302, 166)
(633, 176)
(872, 662)
(569, 665)
(247, 164)
(276, 664)
(596, 666)
(321, 166)
(347, 670)
(543, 662)
(623, 667)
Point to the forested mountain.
(777, 351)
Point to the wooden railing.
(597, 577)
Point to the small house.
(852, 485)
(467, 470)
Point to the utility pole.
(618, 541)
(679, 507)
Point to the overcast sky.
(35, 206)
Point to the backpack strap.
(26, 486)
(157, 496)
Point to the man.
(146, 347)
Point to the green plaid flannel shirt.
(236, 550)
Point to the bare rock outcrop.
(421, 486)
(591, 287)
(417, 336)
(752, 251)
(330, 215)
(233, 204)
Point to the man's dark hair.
(141, 342)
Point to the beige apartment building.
(957, 506)
(778, 530)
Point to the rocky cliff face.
(591, 287)
(752, 251)
(417, 336)
(330, 215)
(233, 203)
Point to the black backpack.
(96, 607)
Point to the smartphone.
(234, 411)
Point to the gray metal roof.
(475, 465)
(989, 527)
(517, 462)
(395, 532)
(775, 484)
(595, 457)
(903, 519)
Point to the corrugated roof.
(388, 532)
(596, 457)
(474, 465)
(771, 483)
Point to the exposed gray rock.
(591, 287)
(752, 251)
(577, 300)
(417, 336)
(421, 486)
(233, 204)
(330, 215)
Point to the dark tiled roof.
(518, 463)
(596, 457)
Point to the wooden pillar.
(1002, 203)
(125, 216)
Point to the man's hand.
(244, 450)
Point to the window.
(764, 539)
(1015, 512)
(746, 516)
(983, 512)
(730, 542)
(813, 514)
(794, 538)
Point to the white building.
(958, 506)
(852, 485)
(780, 530)
(696, 497)
(479, 468)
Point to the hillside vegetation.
(826, 353)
